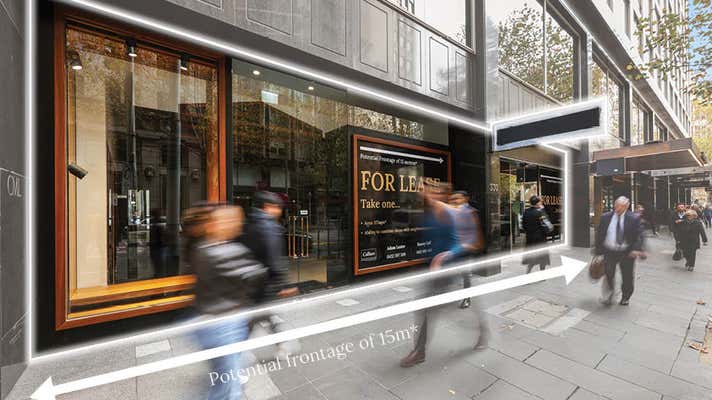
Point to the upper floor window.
(535, 46)
(447, 16)
(603, 83)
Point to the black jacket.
(689, 233)
(265, 239)
(228, 276)
(535, 223)
(632, 233)
(673, 224)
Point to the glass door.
(293, 143)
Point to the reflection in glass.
(521, 45)
(146, 132)
(559, 61)
(294, 141)
(603, 84)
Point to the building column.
(580, 202)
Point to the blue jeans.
(220, 334)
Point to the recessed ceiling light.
(311, 88)
(256, 72)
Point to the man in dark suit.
(678, 217)
(619, 240)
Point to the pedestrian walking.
(708, 216)
(620, 241)
(228, 277)
(469, 233)
(537, 228)
(264, 236)
(439, 221)
(690, 232)
(471, 238)
(678, 216)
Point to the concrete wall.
(12, 194)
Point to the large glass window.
(535, 46)
(638, 123)
(603, 83)
(141, 145)
(291, 137)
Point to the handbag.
(677, 255)
(596, 268)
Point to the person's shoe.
(481, 344)
(606, 301)
(414, 358)
(465, 303)
(690, 268)
(624, 302)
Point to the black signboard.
(388, 177)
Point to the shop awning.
(678, 153)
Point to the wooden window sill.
(129, 290)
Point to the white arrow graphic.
(569, 270)
(397, 153)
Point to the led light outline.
(194, 37)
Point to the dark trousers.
(690, 255)
(627, 267)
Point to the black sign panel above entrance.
(556, 125)
(389, 177)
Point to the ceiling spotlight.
(311, 88)
(256, 72)
(74, 61)
(131, 48)
(184, 62)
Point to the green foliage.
(670, 45)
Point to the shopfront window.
(535, 46)
(141, 146)
(292, 137)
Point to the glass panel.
(559, 61)
(447, 16)
(602, 84)
(146, 132)
(521, 45)
(291, 137)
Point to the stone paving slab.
(522, 375)
(653, 380)
(502, 390)
(590, 379)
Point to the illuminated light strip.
(300, 301)
(231, 49)
(29, 176)
(569, 270)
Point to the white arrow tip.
(572, 268)
(45, 391)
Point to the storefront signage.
(389, 178)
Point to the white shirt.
(610, 241)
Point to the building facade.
(143, 124)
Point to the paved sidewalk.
(548, 341)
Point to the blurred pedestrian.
(439, 221)
(708, 215)
(264, 236)
(228, 276)
(469, 233)
(620, 241)
(537, 228)
(690, 232)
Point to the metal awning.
(678, 153)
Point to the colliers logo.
(369, 255)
